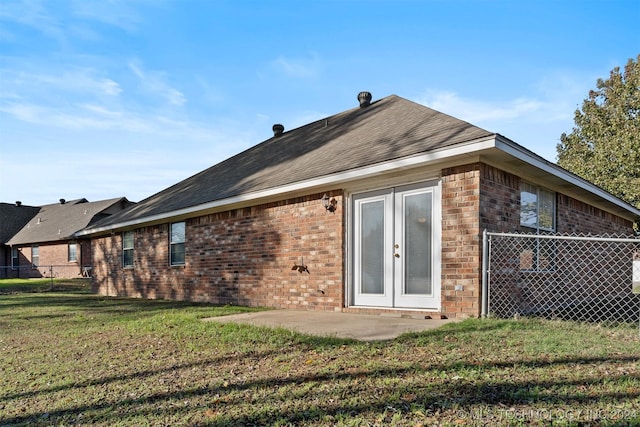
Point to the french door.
(396, 247)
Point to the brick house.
(46, 245)
(12, 218)
(379, 208)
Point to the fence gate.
(582, 278)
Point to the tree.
(604, 145)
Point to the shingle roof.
(60, 220)
(388, 129)
(13, 218)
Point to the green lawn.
(8, 286)
(74, 358)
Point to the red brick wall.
(575, 216)
(54, 258)
(476, 197)
(461, 241)
(243, 256)
(499, 200)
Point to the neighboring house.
(12, 218)
(46, 244)
(379, 208)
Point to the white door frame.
(392, 296)
(381, 203)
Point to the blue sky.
(101, 99)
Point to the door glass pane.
(372, 247)
(417, 237)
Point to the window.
(127, 249)
(15, 261)
(537, 254)
(537, 207)
(35, 256)
(538, 211)
(176, 245)
(73, 252)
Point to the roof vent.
(278, 130)
(365, 99)
(18, 203)
(63, 201)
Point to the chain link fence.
(61, 271)
(572, 277)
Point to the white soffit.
(565, 181)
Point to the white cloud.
(154, 82)
(67, 21)
(298, 67)
(98, 109)
(99, 153)
(33, 14)
(476, 111)
(32, 85)
(81, 118)
(115, 13)
(535, 121)
(110, 87)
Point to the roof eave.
(470, 149)
(520, 153)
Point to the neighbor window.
(127, 249)
(15, 261)
(176, 245)
(73, 252)
(537, 254)
(35, 256)
(537, 207)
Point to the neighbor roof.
(60, 221)
(12, 218)
(388, 129)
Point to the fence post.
(51, 276)
(485, 272)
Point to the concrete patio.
(362, 327)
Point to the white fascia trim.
(533, 159)
(467, 149)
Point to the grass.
(9, 286)
(71, 358)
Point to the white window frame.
(540, 257)
(35, 256)
(126, 248)
(73, 258)
(15, 258)
(177, 240)
(538, 198)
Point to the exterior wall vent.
(365, 99)
(278, 130)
